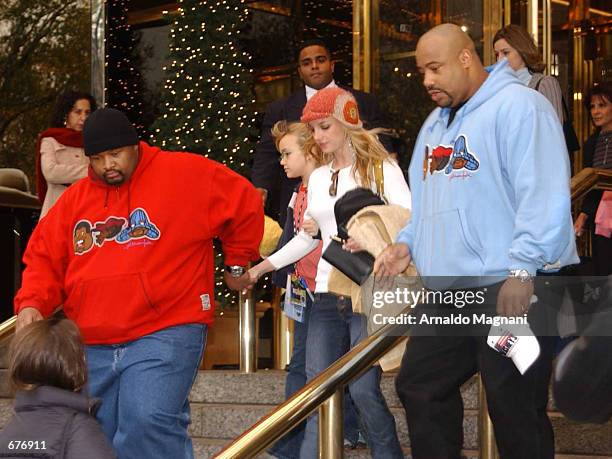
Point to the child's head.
(299, 154)
(48, 353)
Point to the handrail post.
(331, 426)
(488, 448)
(248, 338)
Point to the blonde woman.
(333, 329)
(299, 157)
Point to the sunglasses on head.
(333, 188)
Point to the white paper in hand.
(516, 342)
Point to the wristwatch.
(235, 270)
(521, 274)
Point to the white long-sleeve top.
(321, 210)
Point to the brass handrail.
(350, 366)
(7, 328)
(590, 179)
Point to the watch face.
(235, 271)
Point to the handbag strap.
(566, 114)
(379, 179)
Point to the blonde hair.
(47, 353)
(303, 134)
(368, 150)
(519, 39)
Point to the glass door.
(385, 37)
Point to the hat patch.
(351, 113)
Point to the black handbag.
(571, 139)
(357, 266)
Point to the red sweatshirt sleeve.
(235, 213)
(46, 260)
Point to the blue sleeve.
(535, 162)
(415, 172)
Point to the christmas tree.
(206, 104)
(124, 87)
(207, 100)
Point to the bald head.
(451, 69)
(450, 36)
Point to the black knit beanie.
(107, 129)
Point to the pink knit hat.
(334, 102)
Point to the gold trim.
(376, 33)
(547, 34)
(492, 21)
(283, 333)
(590, 179)
(507, 12)
(357, 36)
(532, 20)
(367, 45)
(7, 328)
(331, 436)
(248, 333)
(488, 448)
(396, 56)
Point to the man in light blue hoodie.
(491, 207)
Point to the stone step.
(218, 422)
(232, 387)
(206, 449)
(225, 403)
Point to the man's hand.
(514, 297)
(239, 284)
(580, 223)
(392, 261)
(27, 316)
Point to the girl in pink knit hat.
(351, 152)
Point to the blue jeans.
(288, 447)
(333, 329)
(144, 387)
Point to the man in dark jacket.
(316, 70)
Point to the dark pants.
(602, 255)
(428, 384)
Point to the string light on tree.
(124, 86)
(205, 75)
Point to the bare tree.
(44, 50)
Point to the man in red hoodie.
(128, 252)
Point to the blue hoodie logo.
(449, 159)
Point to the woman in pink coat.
(60, 159)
